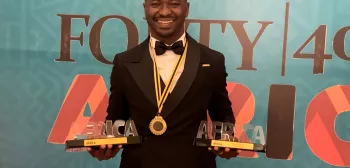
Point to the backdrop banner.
(56, 59)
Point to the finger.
(227, 149)
(220, 152)
(102, 149)
(210, 148)
(108, 153)
(216, 148)
(235, 153)
(101, 152)
(116, 150)
(93, 151)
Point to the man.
(140, 76)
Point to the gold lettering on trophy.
(228, 144)
(94, 142)
(90, 143)
(217, 143)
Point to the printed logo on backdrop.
(321, 113)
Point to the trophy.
(107, 133)
(223, 137)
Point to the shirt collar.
(153, 40)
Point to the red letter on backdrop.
(85, 89)
(320, 125)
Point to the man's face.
(166, 17)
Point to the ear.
(144, 10)
(188, 9)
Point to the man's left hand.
(226, 153)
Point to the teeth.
(165, 22)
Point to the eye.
(174, 4)
(155, 4)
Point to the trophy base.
(230, 144)
(84, 143)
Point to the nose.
(165, 10)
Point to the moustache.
(162, 17)
(170, 16)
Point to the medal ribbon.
(161, 97)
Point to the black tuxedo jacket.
(200, 88)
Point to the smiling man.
(166, 19)
(166, 85)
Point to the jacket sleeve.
(117, 106)
(220, 105)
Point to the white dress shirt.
(166, 62)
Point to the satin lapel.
(140, 66)
(186, 79)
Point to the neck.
(169, 40)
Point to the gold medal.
(158, 125)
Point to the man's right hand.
(105, 152)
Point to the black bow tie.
(161, 48)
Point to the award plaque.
(105, 134)
(223, 137)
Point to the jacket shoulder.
(123, 56)
(132, 53)
(212, 54)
